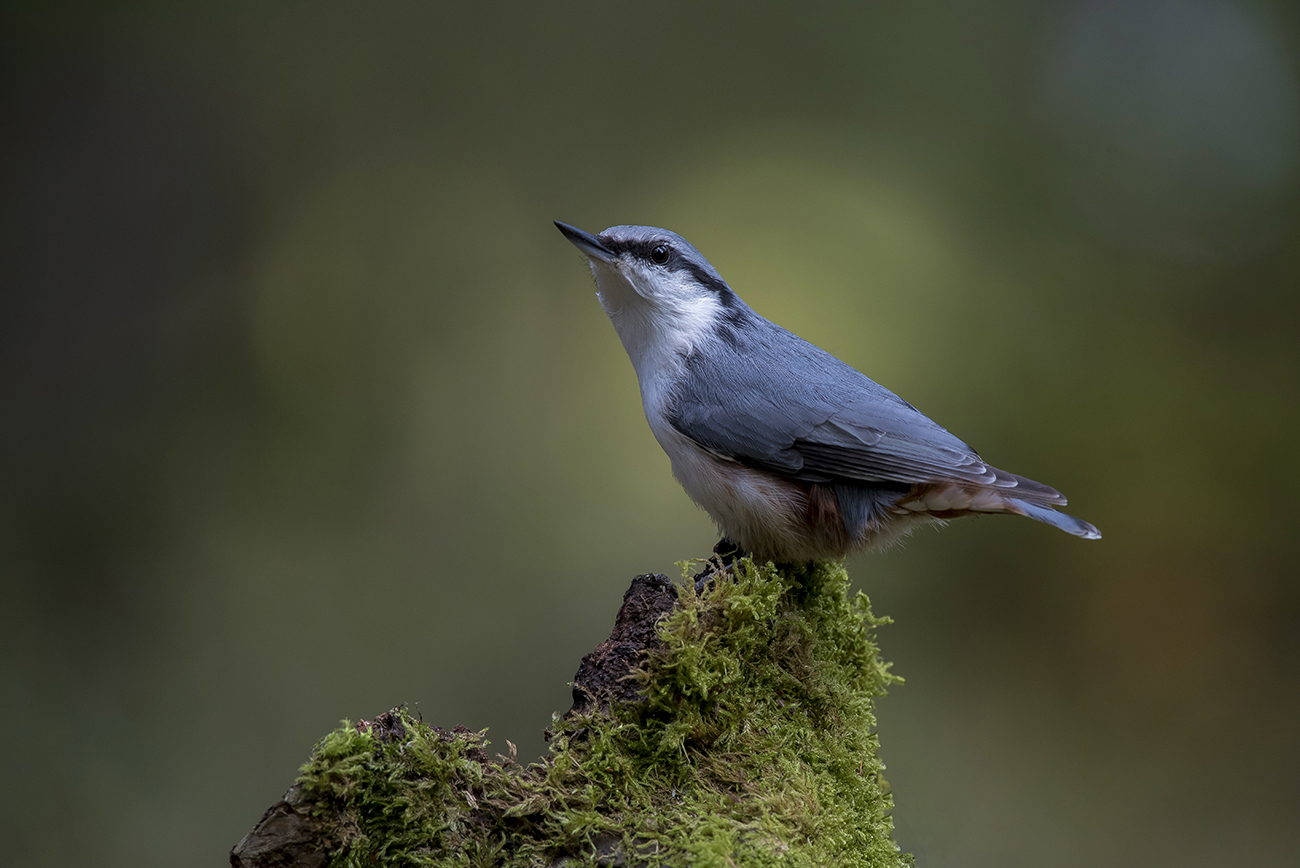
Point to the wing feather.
(817, 419)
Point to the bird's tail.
(1047, 515)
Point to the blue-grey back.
(763, 396)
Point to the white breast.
(660, 318)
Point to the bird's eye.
(659, 254)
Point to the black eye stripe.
(707, 280)
(638, 249)
(643, 250)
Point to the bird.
(796, 455)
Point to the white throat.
(660, 318)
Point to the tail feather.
(1027, 489)
(1047, 515)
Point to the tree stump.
(729, 724)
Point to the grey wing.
(814, 418)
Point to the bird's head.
(658, 290)
(650, 273)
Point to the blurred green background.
(308, 410)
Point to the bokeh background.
(307, 410)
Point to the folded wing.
(817, 419)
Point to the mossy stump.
(732, 726)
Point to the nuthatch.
(796, 455)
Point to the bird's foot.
(725, 553)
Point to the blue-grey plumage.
(796, 455)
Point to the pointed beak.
(586, 242)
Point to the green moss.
(754, 746)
